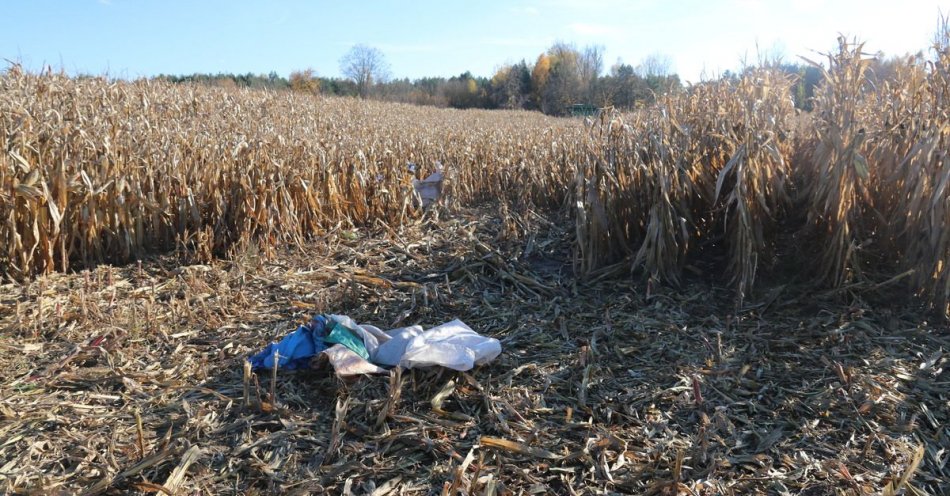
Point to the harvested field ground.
(595, 392)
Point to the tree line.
(556, 82)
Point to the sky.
(702, 38)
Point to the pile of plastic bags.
(354, 349)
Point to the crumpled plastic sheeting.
(341, 335)
(429, 189)
(347, 363)
(391, 352)
(295, 349)
(372, 336)
(453, 345)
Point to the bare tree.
(771, 57)
(941, 37)
(365, 65)
(656, 64)
(590, 65)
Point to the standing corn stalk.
(753, 181)
(839, 175)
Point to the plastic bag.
(361, 349)
(390, 353)
(453, 345)
(295, 349)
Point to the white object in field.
(346, 363)
(429, 189)
(391, 352)
(452, 345)
(372, 336)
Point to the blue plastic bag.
(296, 349)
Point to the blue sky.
(131, 38)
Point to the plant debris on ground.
(131, 378)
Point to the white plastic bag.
(429, 189)
(372, 336)
(346, 363)
(390, 353)
(453, 345)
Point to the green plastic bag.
(341, 335)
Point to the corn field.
(852, 194)
(859, 186)
(96, 171)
